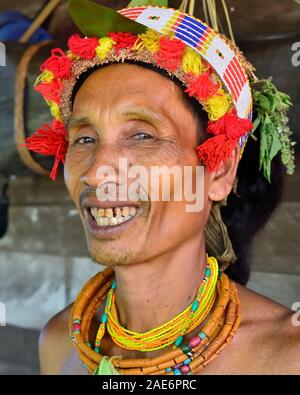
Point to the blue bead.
(202, 335)
(178, 341)
(89, 344)
(207, 272)
(114, 285)
(195, 305)
(187, 361)
(168, 370)
(97, 350)
(104, 318)
(177, 371)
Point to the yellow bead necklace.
(171, 332)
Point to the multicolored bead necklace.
(168, 333)
(187, 358)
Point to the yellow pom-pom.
(138, 45)
(46, 77)
(72, 56)
(104, 47)
(54, 109)
(150, 40)
(217, 105)
(192, 62)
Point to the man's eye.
(142, 136)
(84, 140)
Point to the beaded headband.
(209, 66)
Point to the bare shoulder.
(273, 330)
(55, 345)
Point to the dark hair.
(248, 212)
(250, 209)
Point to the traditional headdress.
(209, 66)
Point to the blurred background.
(43, 255)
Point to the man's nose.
(103, 167)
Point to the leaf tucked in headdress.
(95, 20)
(270, 145)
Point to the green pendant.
(106, 368)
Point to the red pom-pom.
(227, 130)
(50, 91)
(123, 40)
(58, 63)
(83, 47)
(50, 140)
(170, 53)
(230, 125)
(215, 150)
(202, 86)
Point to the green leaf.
(267, 169)
(263, 103)
(272, 101)
(95, 20)
(138, 3)
(275, 145)
(256, 122)
(263, 147)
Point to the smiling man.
(115, 127)
(163, 305)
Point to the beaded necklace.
(171, 331)
(187, 358)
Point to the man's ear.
(221, 181)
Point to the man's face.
(127, 111)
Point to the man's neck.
(153, 292)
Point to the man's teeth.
(112, 216)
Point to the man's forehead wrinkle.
(143, 113)
(73, 121)
(140, 101)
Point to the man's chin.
(114, 257)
